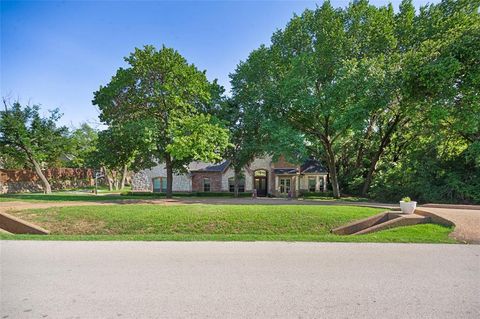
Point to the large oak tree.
(168, 96)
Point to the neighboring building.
(267, 177)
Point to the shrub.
(188, 194)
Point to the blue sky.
(57, 53)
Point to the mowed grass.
(105, 195)
(215, 222)
(67, 197)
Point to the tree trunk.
(116, 179)
(168, 166)
(38, 170)
(236, 177)
(110, 183)
(385, 141)
(124, 177)
(109, 178)
(369, 177)
(116, 182)
(361, 148)
(332, 169)
(373, 165)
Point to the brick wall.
(15, 181)
(282, 163)
(215, 181)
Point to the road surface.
(42, 279)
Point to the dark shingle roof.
(285, 170)
(312, 166)
(215, 168)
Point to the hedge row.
(188, 194)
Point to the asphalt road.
(238, 280)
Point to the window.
(206, 184)
(321, 184)
(285, 185)
(231, 185)
(261, 172)
(159, 184)
(312, 182)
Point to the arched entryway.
(260, 182)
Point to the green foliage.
(165, 97)
(187, 194)
(119, 146)
(254, 130)
(197, 138)
(430, 176)
(25, 135)
(388, 100)
(83, 144)
(406, 199)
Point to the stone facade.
(142, 181)
(219, 175)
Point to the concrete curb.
(16, 225)
(451, 206)
(382, 221)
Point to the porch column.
(324, 183)
(297, 185)
(275, 188)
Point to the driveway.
(465, 218)
(238, 280)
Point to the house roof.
(285, 170)
(312, 166)
(214, 168)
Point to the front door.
(260, 182)
(285, 185)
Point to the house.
(268, 177)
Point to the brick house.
(268, 177)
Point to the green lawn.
(216, 222)
(330, 198)
(68, 197)
(104, 195)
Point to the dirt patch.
(78, 227)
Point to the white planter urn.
(408, 207)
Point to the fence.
(16, 181)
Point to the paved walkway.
(238, 280)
